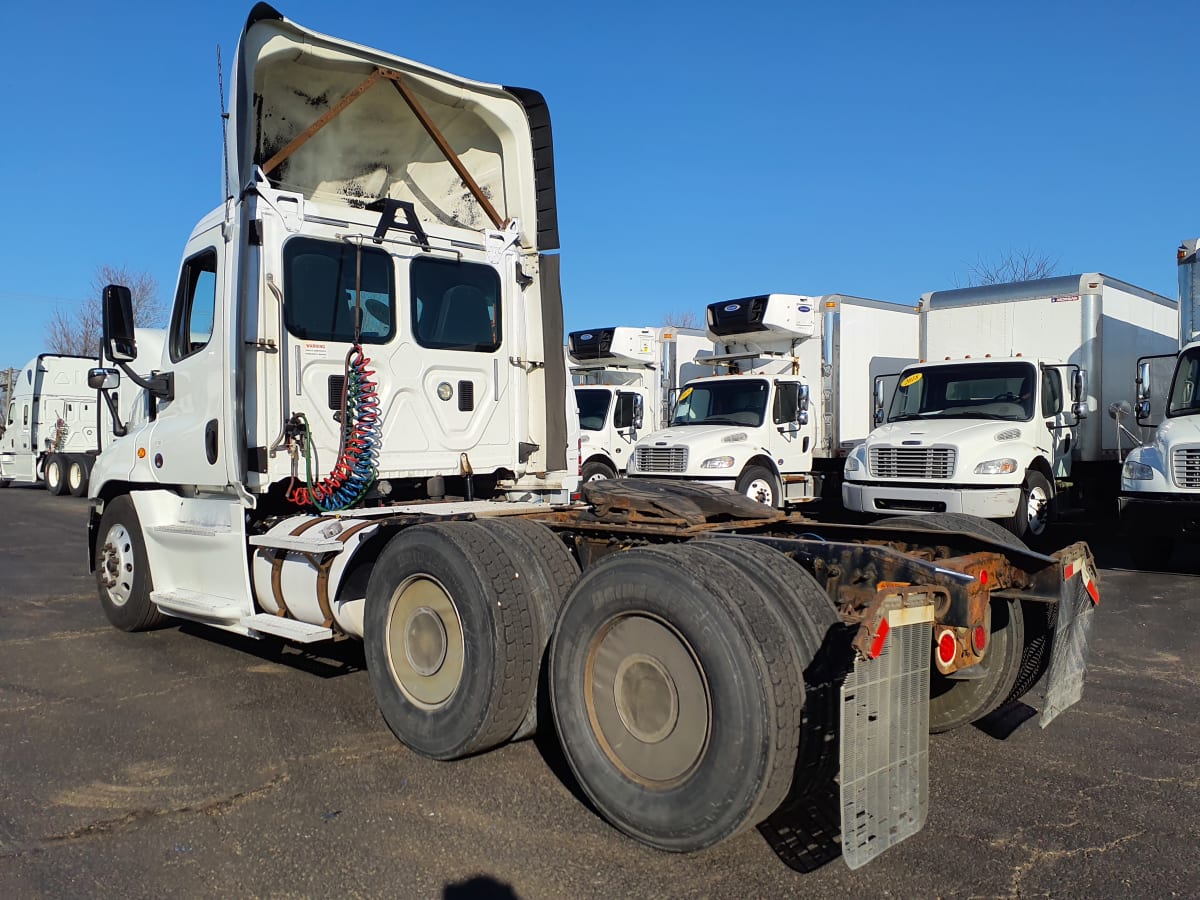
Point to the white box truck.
(1160, 480)
(56, 424)
(626, 380)
(1004, 418)
(359, 426)
(794, 396)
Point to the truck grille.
(912, 462)
(1185, 461)
(662, 459)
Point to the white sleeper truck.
(358, 429)
(793, 397)
(1160, 480)
(57, 425)
(1005, 416)
(626, 379)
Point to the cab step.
(290, 629)
(200, 607)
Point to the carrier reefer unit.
(359, 428)
(626, 380)
(794, 395)
(1006, 415)
(1160, 480)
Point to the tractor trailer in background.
(1006, 415)
(626, 379)
(358, 429)
(1160, 479)
(57, 425)
(793, 397)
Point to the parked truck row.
(361, 425)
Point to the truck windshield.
(593, 406)
(1001, 390)
(734, 401)
(1185, 386)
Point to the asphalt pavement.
(189, 762)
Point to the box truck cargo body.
(625, 381)
(1006, 417)
(794, 396)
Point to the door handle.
(210, 441)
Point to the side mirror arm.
(120, 429)
(160, 385)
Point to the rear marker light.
(947, 648)
(979, 638)
(983, 579)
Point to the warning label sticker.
(316, 350)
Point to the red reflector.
(979, 638)
(947, 648)
(880, 637)
(983, 577)
(1093, 592)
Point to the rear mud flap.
(885, 740)
(1068, 656)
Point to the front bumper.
(728, 482)
(885, 499)
(1165, 514)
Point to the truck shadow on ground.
(326, 660)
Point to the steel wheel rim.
(423, 636)
(53, 475)
(762, 491)
(597, 476)
(75, 476)
(1037, 506)
(116, 566)
(648, 700)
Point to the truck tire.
(811, 615)
(123, 576)
(449, 640)
(550, 572)
(596, 470)
(56, 474)
(1034, 511)
(1151, 551)
(78, 472)
(1009, 659)
(761, 484)
(677, 695)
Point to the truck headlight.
(855, 461)
(1136, 471)
(1004, 466)
(717, 462)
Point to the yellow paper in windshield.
(911, 379)
(687, 392)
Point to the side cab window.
(1052, 393)
(195, 305)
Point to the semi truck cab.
(987, 437)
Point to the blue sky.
(703, 150)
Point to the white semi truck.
(358, 429)
(795, 394)
(56, 424)
(626, 379)
(1160, 479)
(1004, 418)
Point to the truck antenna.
(225, 192)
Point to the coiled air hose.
(357, 465)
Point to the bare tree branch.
(681, 319)
(76, 332)
(1015, 265)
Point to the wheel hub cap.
(424, 642)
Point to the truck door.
(791, 437)
(186, 441)
(1055, 411)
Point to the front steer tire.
(123, 576)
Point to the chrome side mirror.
(103, 379)
(1143, 384)
(802, 406)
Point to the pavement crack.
(215, 806)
